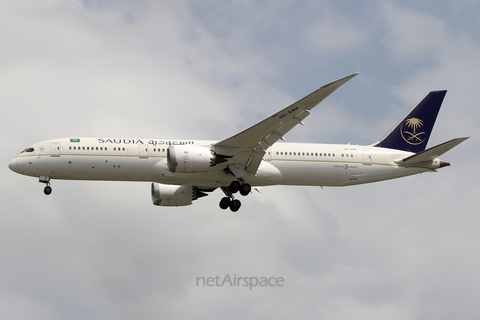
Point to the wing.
(245, 150)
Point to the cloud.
(412, 34)
(336, 34)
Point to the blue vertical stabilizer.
(413, 131)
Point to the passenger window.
(70, 148)
(96, 148)
(329, 154)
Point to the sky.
(400, 249)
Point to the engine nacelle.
(168, 195)
(189, 158)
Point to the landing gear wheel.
(47, 190)
(235, 205)
(245, 189)
(224, 203)
(234, 186)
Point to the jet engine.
(191, 158)
(168, 195)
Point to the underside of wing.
(245, 150)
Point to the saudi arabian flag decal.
(75, 140)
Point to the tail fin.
(413, 131)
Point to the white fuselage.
(146, 160)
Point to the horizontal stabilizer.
(431, 153)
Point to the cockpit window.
(27, 150)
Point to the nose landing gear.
(44, 179)
(47, 190)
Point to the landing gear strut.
(229, 201)
(47, 190)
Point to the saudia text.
(140, 141)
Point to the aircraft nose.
(13, 165)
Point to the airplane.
(182, 171)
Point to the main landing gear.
(229, 201)
(47, 190)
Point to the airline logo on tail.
(413, 138)
(412, 132)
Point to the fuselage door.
(55, 149)
(367, 158)
(143, 151)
